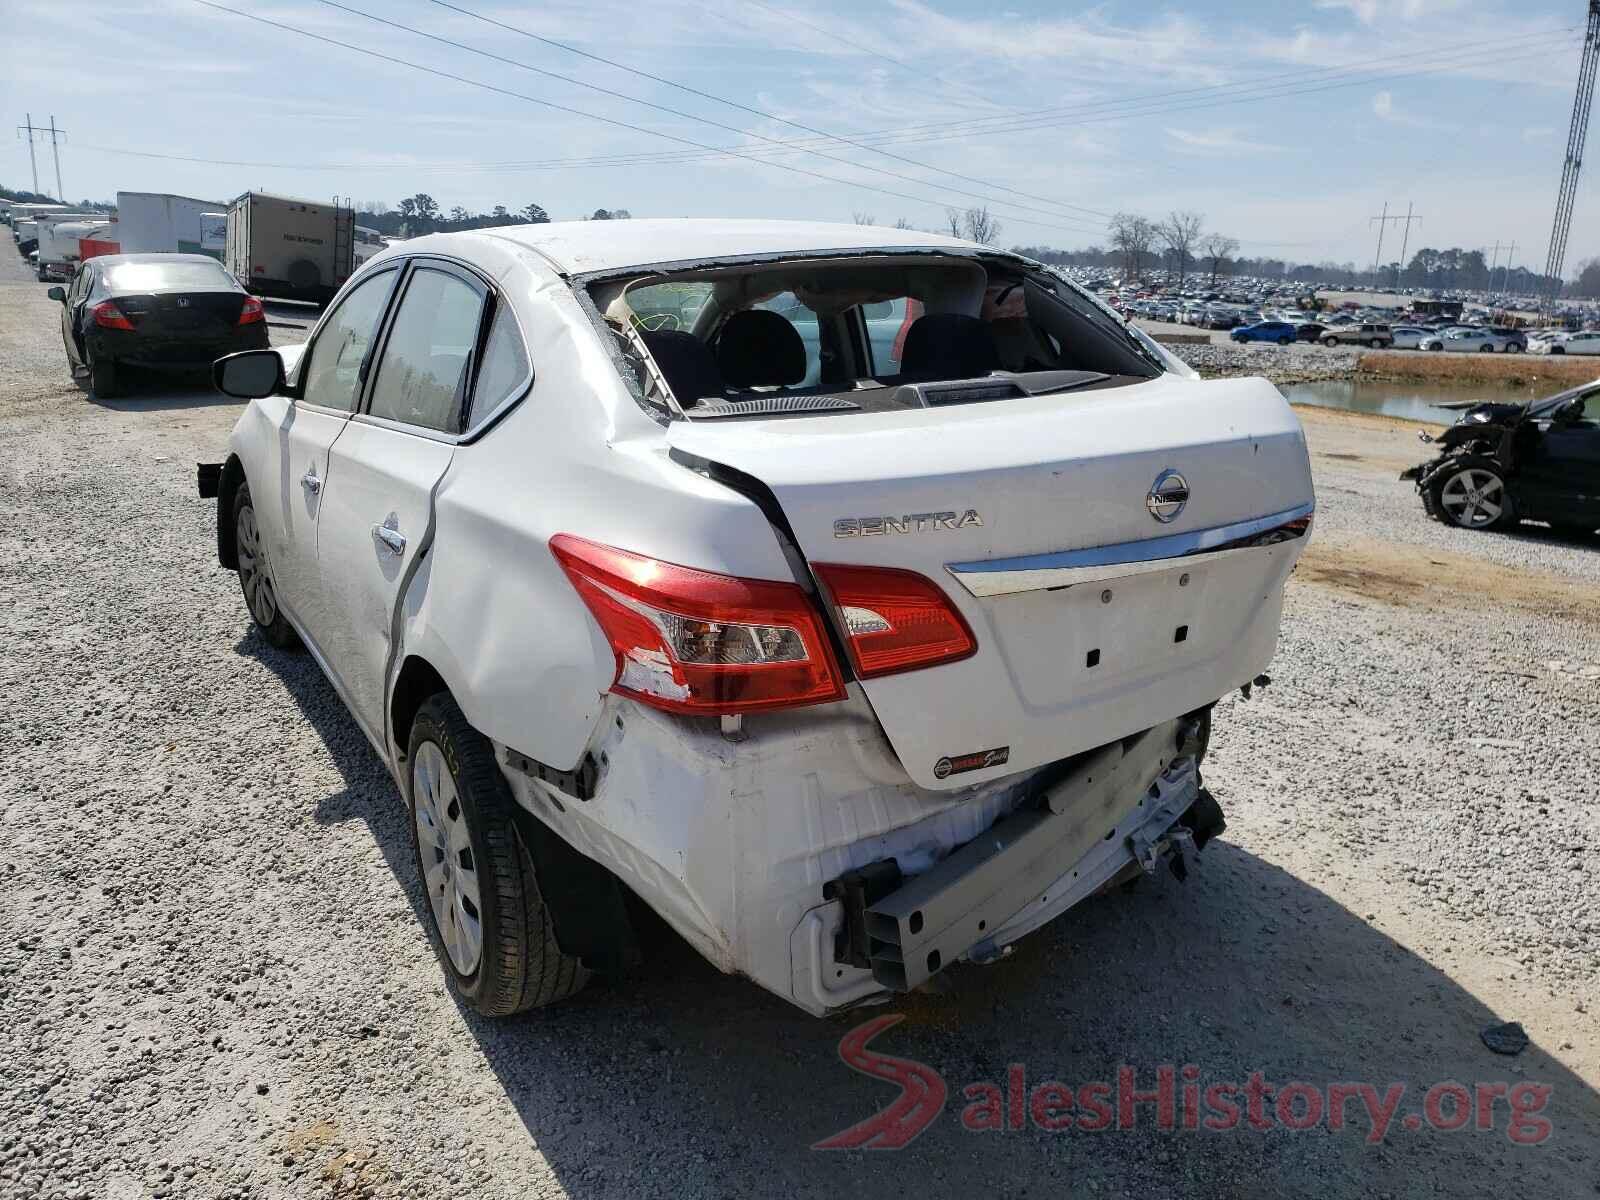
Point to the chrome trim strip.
(1064, 568)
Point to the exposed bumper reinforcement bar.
(1122, 804)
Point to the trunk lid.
(1031, 514)
(198, 315)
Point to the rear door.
(377, 518)
(290, 500)
(1035, 517)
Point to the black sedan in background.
(170, 312)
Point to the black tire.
(1375, 343)
(1450, 495)
(1330, 343)
(1513, 348)
(520, 965)
(103, 381)
(255, 575)
(1557, 350)
(1284, 341)
(1486, 348)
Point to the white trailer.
(59, 249)
(157, 223)
(296, 249)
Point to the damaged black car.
(1503, 463)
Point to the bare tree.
(952, 218)
(1218, 248)
(1131, 237)
(862, 218)
(1179, 233)
(901, 223)
(980, 225)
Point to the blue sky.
(1287, 124)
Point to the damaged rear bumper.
(1138, 801)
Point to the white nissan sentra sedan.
(856, 598)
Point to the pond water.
(1412, 401)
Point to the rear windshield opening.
(166, 276)
(864, 333)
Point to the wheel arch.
(416, 680)
(228, 487)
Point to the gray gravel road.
(214, 980)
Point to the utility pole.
(61, 194)
(1382, 223)
(30, 129)
(32, 161)
(1405, 240)
(1505, 283)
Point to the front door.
(1560, 477)
(377, 513)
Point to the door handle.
(389, 534)
(310, 482)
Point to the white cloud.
(1218, 141)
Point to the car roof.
(579, 247)
(116, 260)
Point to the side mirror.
(248, 375)
(58, 294)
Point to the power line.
(1361, 77)
(860, 49)
(830, 137)
(578, 112)
(510, 62)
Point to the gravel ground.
(214, 980)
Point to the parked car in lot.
(1502, 463)
(632, 609)
(1472, 341)
(1586, 342)
(1280, 332)
(1309, 331)
(168, 312)
(1367, 334)
(1408, 337)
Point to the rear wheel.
(1329, 342)
(255, 574)
(1486, 348)
(1473, 496)
(1557, 350)
(103, 381)
(1375, 343)
(490, 927)
(1513, 348)
(1285, 340)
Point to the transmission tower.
(1577, 135)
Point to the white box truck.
(157, 223)
(59, 245)
(293, 249)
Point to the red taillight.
(108, 316)
(692, 642)
(895, 620)
(251, 312)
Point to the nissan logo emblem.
(1167, 496)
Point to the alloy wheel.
(253, 576)
(1473, 498)
(449, 870)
